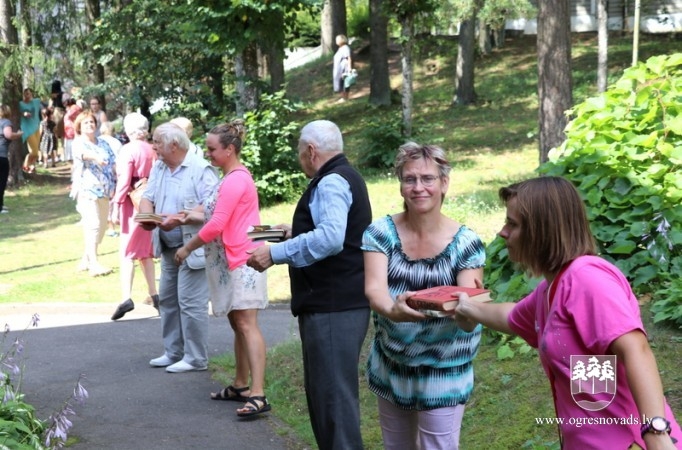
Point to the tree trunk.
(275, 50)
(379, 80)
(25, 41)
(485, 45)
(11, 87)
(215, 82)
(333, 23)
(407, 38)
(326, 29)
(246, 70)
(603, 38)
(554, 73)
(465, 93)
(93, 13)
(338, 20)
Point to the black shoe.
(155, 302)
(122, 309)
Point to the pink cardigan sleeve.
(229, 195)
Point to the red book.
(444, 298)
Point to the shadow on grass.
(40, 204)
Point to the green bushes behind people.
(267, 152)
(624, 153)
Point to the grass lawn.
(490, 144)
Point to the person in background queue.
(29, 108)
(6, 136)
(178, 182)
(134, 163)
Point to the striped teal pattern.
(423, 365)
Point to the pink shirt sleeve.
(124, 176)
(522, 318)
(226, 203)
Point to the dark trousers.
(4, 175)
(331, 345)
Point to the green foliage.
(668, 306)
(270, 149)
(20, 429)
(358, 21)
(19, 426)
(511, 345)
(307, 32)
(510, 283)
(624, 153)
(383, 136)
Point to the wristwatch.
(656, 425)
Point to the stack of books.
(266, 233)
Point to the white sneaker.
(162, 361)
(182, 366)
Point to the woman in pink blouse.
(134, 162)
(583, 315)
(236, 289)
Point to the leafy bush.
(624, 154)
(20, 428)
(269, 151)
(383, 136)
(358, 21)
(307, 31)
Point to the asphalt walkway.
(132, 406)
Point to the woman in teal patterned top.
(420, 367)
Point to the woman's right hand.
(401, 312)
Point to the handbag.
(136, 193)
(350, 78)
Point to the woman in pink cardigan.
(236, 289)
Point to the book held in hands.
(445, 298)
(148, 217)
(266, 233)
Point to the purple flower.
(8, 395)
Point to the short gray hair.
(136, 125)
(169, 133)
(324, 135)
(411, 151)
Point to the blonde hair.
(185, 124)
(231, 133)
(81, 117)
(5, 111)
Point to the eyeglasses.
(426, 180)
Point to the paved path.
(131, 405)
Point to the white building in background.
(656, 16)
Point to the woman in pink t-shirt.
(585, 322)
(236, 289)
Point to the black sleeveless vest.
(336, 283)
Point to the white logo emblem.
(593, 380)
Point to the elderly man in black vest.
(327, 283)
